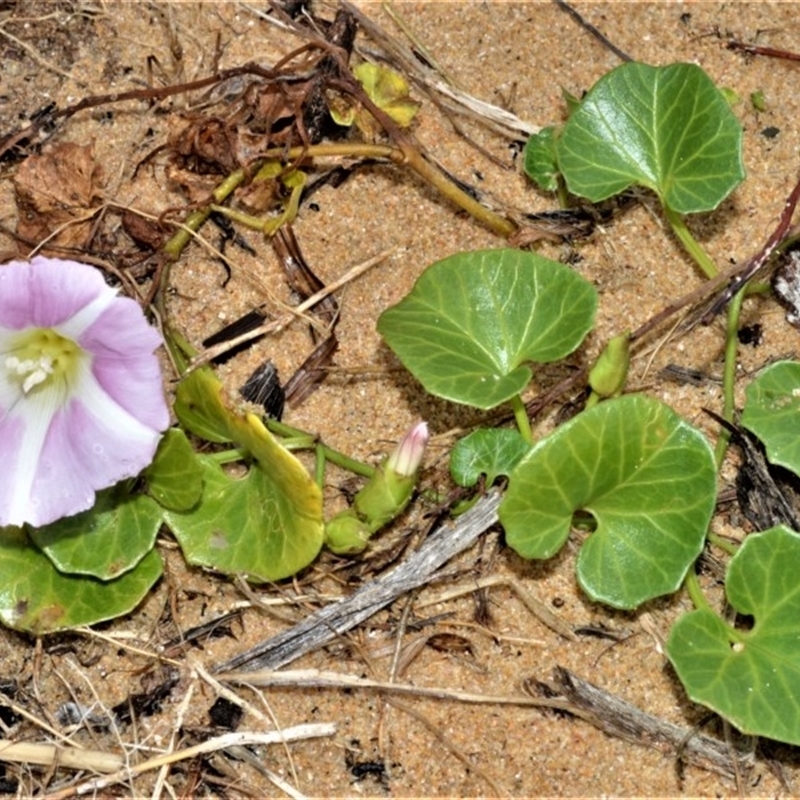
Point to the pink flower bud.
(407, 456)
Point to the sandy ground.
(516, 55)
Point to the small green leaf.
(540, 164)
(669, 129)
(200, 407)
(175, 478)
(772, 412)
(106, 541)
(37, 598)
(752, 678)
(388, 90)
(645, 475)
(486, 451)
(472, 322)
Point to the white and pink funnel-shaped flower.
(81, 399)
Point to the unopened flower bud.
(407, 456)
(346, 534)
(609, 373)
(383, 497)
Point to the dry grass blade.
(535, 606)
(579, 698)
(279, 324)
(456, 751)
(617, 718)
(322, 678)
(68, 757)
(222, 742)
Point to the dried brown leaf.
(55, 189)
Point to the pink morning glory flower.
(81, 399)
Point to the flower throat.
(41, 356)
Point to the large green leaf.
(750, 677)
(667, 128)
(266, 526)
(645, 475)
(244, 526)
(36, 597)
(473, 320)
(106, 541)
(772, 412)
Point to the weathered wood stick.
(323, 626)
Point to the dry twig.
(328, 623)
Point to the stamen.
(37, 371)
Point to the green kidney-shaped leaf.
(266, 526)
(667, 128)
(751, 678)
(106, 541)
(648, 479)
(245, 526)
(772, 412)
(175, 478)
(473, 320)
(37, 598)
(486, 451)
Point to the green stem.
(729, 547)
(562, 193)
(437, 178)
(521, 417)
(334, 456)
(399, 155)
(174, 247)
(729, 372)
(695, 592)
(229, 456)
(690, 243)
(404, 153)
(319, 466)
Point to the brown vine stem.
(416, 161)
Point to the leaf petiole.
(334, 456)
(729, 372)
(695, 592)
(693, 247)
(729, 547)
(521, 417)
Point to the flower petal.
(89, 444)
(46, 292)
(135, 386)
(13, 496)
(24, 429)
(109, 442)
(124, 365)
